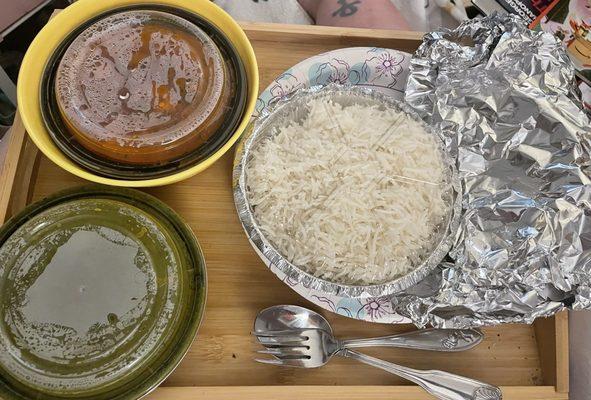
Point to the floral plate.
(383, 69)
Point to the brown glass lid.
(143, 87)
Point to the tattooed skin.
(347, 8)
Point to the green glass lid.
(101, 294)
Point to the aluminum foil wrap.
(505, 99)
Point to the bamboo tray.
(528, 362)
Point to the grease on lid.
(142, 87)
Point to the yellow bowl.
(50, 37)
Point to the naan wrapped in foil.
(506, 100)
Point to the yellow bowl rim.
(47, 40)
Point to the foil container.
(292, 108)
(505, 99)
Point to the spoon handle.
(442, 385)
(426, 339)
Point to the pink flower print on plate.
(385, 67)
(376, 308)
(286, 83)
(332, 71)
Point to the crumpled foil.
(293, 107)
(505, 99)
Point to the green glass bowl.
(102, 291)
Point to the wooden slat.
(334, 393)
(26, 170)
(323, 35)
(17, 167)
(552, 343)
(9, 166)
(562, 352)
(546, 342)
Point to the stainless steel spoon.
(286, 317)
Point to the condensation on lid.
(143, 87)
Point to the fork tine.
(288, 332)
(274, 345)
(282, 345)
(279, 334)
(282, 352)
(266, 338)
(272, 361)
(284, 362)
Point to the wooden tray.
(529, 362)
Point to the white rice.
(354, 195)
